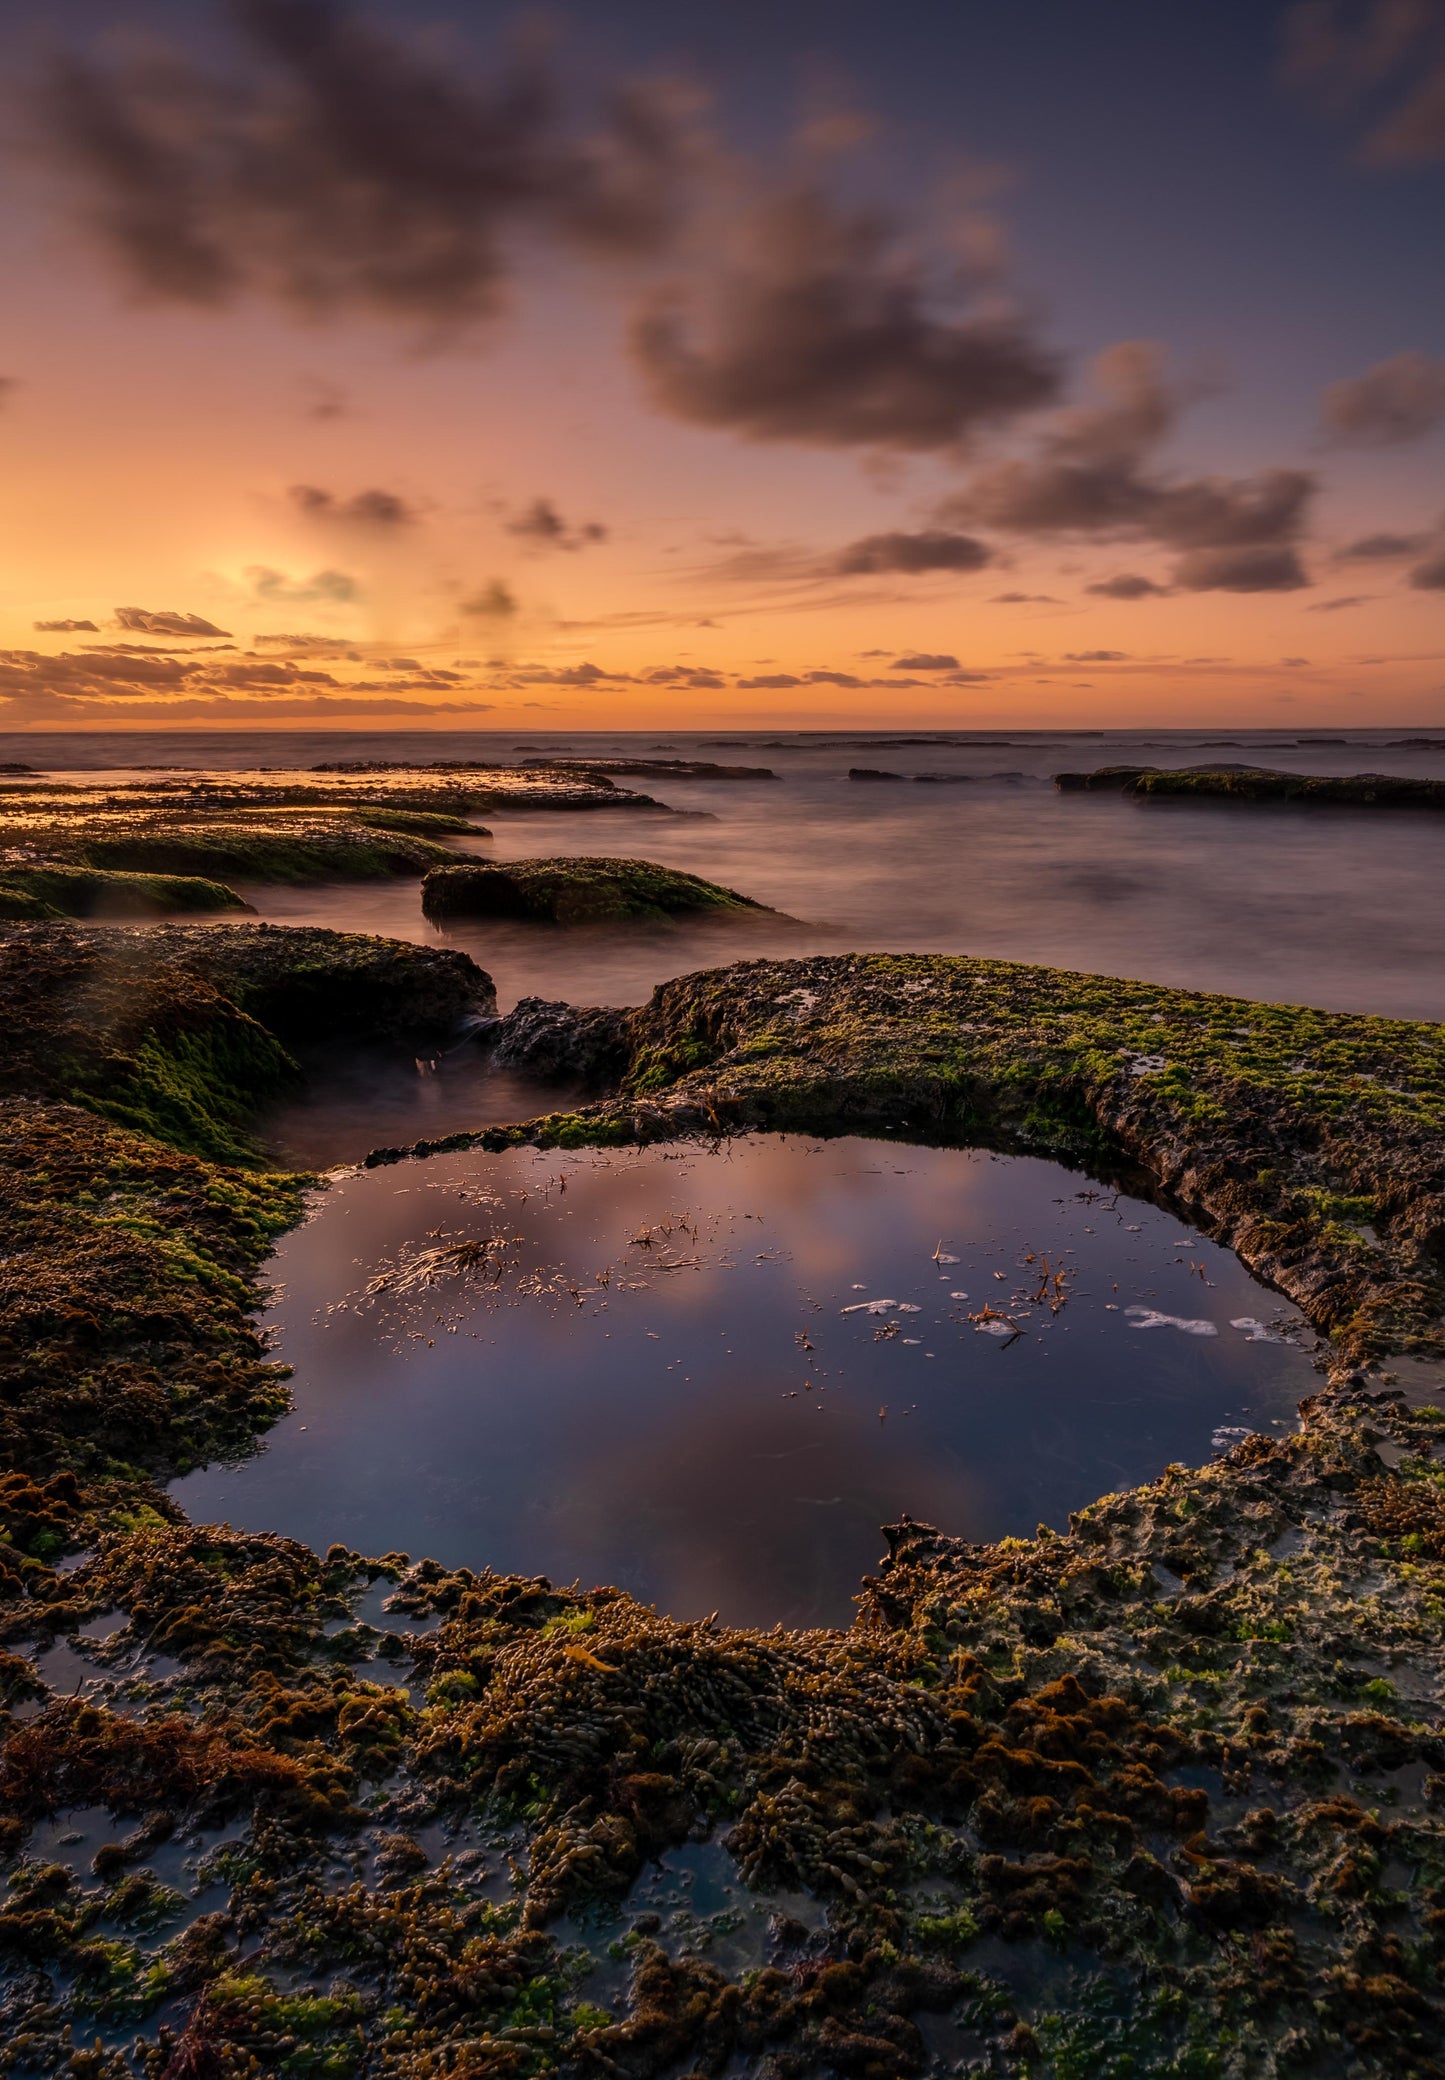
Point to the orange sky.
(551, 545)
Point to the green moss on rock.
(95, 892)
(572, 891)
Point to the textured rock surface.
(1161, 1795)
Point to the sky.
(817, 364)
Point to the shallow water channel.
(709, 1376)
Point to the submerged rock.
(572, 891)
(559, 1040)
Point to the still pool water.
(709, 1376)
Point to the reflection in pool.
(709, 1376)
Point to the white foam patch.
(1151, 1318)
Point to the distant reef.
(1258, 784)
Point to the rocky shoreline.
(1163, 1794)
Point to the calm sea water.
(1344, 908)
(494, 1369)
(709, 1377)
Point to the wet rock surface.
(1161, 1795)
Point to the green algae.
(568, 891)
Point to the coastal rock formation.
(1311, 1142)
(58, 891)
(572, 891)
(1161, 1792)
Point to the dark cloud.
(1384, 60)
(1095, 473)
(494, 602)
(1129, 585)
(694, 677)
(277, 589)
(1429, 576)
(1265, 567)
(343, 166)
(1024, 599)
(307, 645)
(1095, 656)
(926, 661)
(541, 525)
(806, 322)
(770, 682)
(363, 509)
(65, 628)
(1398, 400)
(1381, 548)
(567, 675)
(337, 165)
(165, 623)
(934, 549)
(1335, 606)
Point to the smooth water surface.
(1330, 906)
(708, 1377)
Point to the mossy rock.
(19, 906)
(274, 849)
(1259, 784)
(572, 891)
(59, 891)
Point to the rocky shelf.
(1161, 1792)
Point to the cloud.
(541, 525)
(342, 166)
(1388, 55)
(770, 682)
(1262, 567)
(494, 602)
(165, 623)
(695, 677)
(802, 321)
(1095, 656)
(926, 661)
(363, 509)
(1381, 548)
(66, 628)
(1095, 473)
(567, 675)
(1129, 585)
(278, 590)
(338, 165)
(1429, 576)
(1335, 606)
(1398, 400)
(1024, 599)
(932, 550)
(307, 645)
